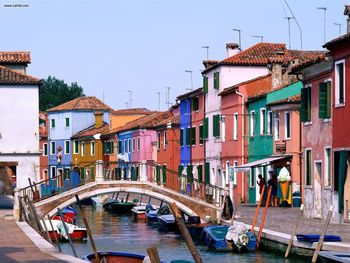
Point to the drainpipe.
(300, 146)
(242, 104)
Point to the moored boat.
(75, 232)
(166, 219)
(333, 257)
(139, 212)
(116, 257)
(151, 214)
(119, 207)
(68, 215)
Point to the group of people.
(272, 182)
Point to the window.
(76, 147)
(201, 134)
(82, 144)
(235, 164)
(216, 125)
(200, 173)
(269, 122)
(193, 136)
(277, 126)
(53, 123)
(188, 136)
(120, 146)
(45, 149)
(195, 104)
(339, 83)
(53, 172)
(327, 167)
(181, 137)
(66, 147)
(205, 128)
(216, 80)
(125, 146)
(252, 123)
(235, 126)
(138, 144)
(223, 129)
(324, 100)
(133, 144)
(129, 146)
(92, 148)
(158, 140)
(205, 84)
(165, 140)
(305, 104)
(287, 125)
(53, 148)
(308, 166)
(262, 121)
(252, 177)
(67, 122)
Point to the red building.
(43, 146)
(168, 149)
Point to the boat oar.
(82, 213)
(67, 232)
(294, 232)
(324, 230)
(184, 232)
(153, 255)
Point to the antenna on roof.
(339, 27)
(126, 104)
(289, 18)
(239, 37)
(261, 38)
(167, 97)
(130, 99)
(158, 101)
(190, 71)
(207, 47)
(103, 96)
(301, 32)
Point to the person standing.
(261, 184)
(272, 182)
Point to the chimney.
(232, 49)
(347, 13)
(276, 74)
(98, 119)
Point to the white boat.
(139, 212)
(75, 232)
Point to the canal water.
(119, 233)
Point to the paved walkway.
(283, 220)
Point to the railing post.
(143, 171)
(99, 171)
(16, 206)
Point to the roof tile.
(16, 57)
(135, 111)
(9, 76)
(80, 104)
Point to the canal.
(119, 233)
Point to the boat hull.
(119, 207)
(334, 257)
(77, 235)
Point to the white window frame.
(82, 150)
(165, 140)
(125, 146)
(336, 86)
(327, 165)
(65, 122)
(53, 168)
(201, 140)
(65, 148)
(277, 134)
(285, 125)
(129, 145)
(52, 121)
(251, 122)
(235, 164)
(133, 145)
(269, 127)
(305, 175)
(263, 121)
(52, 148)
(235, 126)
(92, 148)
(223, 128)
(138, 143)
(251, 183)
(74, 150)
(45, 152)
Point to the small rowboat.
(139, 212)
(119, 207)
(68, 214)
(76, 233)
(116, 257)
(333, 257)
(151, 214)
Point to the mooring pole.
(294, 231)
(67, 232)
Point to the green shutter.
(195, 104)
(164, 173)
(322, 101)
(216, 125)
(112, 146)
(329, 100)
(201, 134)
(188, 136)
(67, 122)
(181, 137)
(207, 173)
(189, 174)
(193, 136)
(158, 173)
(303, 106)
(200, 173)
(180, 169)
(216, 80)
(205, 128)
(205, 84)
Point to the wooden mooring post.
(67, 232)
(153, 255)
(290, 243)
(54, 234)
(263, 217)
(258, 208)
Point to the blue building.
(66, 120)
(125, 153)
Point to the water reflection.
(120, 233)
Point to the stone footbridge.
(187, 204)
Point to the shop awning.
(263, 162)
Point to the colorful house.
(65, 121)
(43, 124)
(19, 129)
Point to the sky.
(118, 48)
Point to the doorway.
(318, 190)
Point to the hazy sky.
(110, 47)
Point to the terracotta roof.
(174, 120)
(291, 99)
(9, 76)
(135, 111)
(337, 40)
(262, 54)
(209, 63)
(90, 131)
(81, 104)
(233, 88)
(307, 63)
(19, 57)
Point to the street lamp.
(239, 36)
(324, 22)
(190, 71)
(261, 38)
(339, 27)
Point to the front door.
(318, 190)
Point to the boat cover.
(315, 238)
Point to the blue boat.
(332, 256)
(166, 219)
(151, 214)
(116, 257)
(315, 238)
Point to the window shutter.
(181, 137)
(158, 173)
(201, 134)
(205, 128)
(205, 84)
(200, 173)
(188, 136)
(164, 173)
(207, 173)
(216, 125)
(180, 169)
(322, 101)
(216, 80)
(329, 100)
(189, 174)
(303, 106)
(195, 104)
(193, 136)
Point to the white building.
(19, 121)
